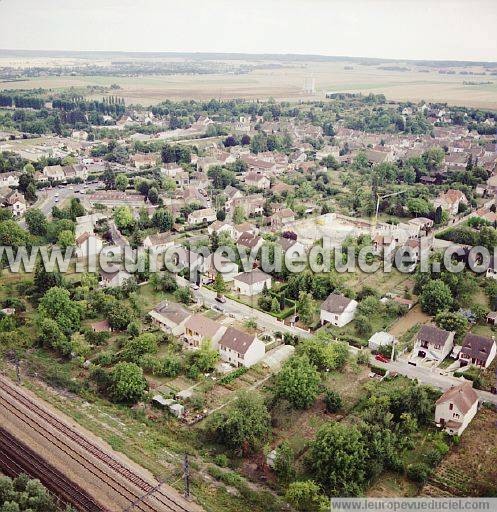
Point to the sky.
(400, 29)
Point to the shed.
(177, 409)
(380, 339)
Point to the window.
(451, 406)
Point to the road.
(243, 312)
(431, 377)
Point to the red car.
(381, 358)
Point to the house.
(54, 173)
(240, 349)
(281, 188)
(455, 409)
(16, 203)
(251, 283)
(282, 217)
(252, 204)
(200, 329)
(477, 350)
(231, 194)
(202, 216)
(450, 201)
(170, 317)
(88, 245)
(114, 279)
(79, 171)
(221, 226)
(158, 242)
(144, 160)
(9, 179)
(383, 244)
(220, 263)
(250, 241)
(381, 339)
(291, 247)
(492, 268)
(433, 344)
(256, 180)
(338, 310)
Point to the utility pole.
(18, 369)
(186, 476)
(378, 203)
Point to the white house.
(433, 344)
(114, 279)
(159, 242)
(202, 216)
(251, 283)
(170, 317)
(240, 349)
(338, 310)
(455, 409)
(16, 203)
(477, 350)
(88, 245)
(54, 173)
(256, 180)
(450, 200)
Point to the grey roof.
(172, 311)
(433, 335)
(255, 276)
(236, 340)
(336, 303)
(477, 347)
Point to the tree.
(452, 322)
(57, 305)
(44, 280)
(119, 315)
(283, 463)
(123, 217)
(185, 295)
(36, 222)
(305, 308)
(121, 182)
(24, 494)
(298, 382)
(127, 383)
(363, 326)
(66, 239)
(306, 496)
(219, 284)
(163, 219)
(238, 215)
(333, 401)
(435, 297)
(337, 459)
(205, 358)
(418, 206)
(145, 343)
(246, 425)
(51, 335)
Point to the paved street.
(431, 377)
(243, 312)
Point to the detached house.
(338, 310)
(88, 245)
(54, 173)
(282, 217)
(16, 203)
(433, 344)
(240, 349)
(477, 350)
(251, 283)
(455, 409)
(114, 279)
(450, 201)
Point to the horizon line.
(264, 55)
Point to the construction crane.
(379, 198)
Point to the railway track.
(12, 397)
(17, 458)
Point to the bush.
(221, 460)
(333, 401)
(419, 472)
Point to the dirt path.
(413, 317)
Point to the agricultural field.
(463, 474)
(286, 83)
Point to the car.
(194, 286)
(56, 199)
(381, 358)
(218, 308)
(221, 299)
